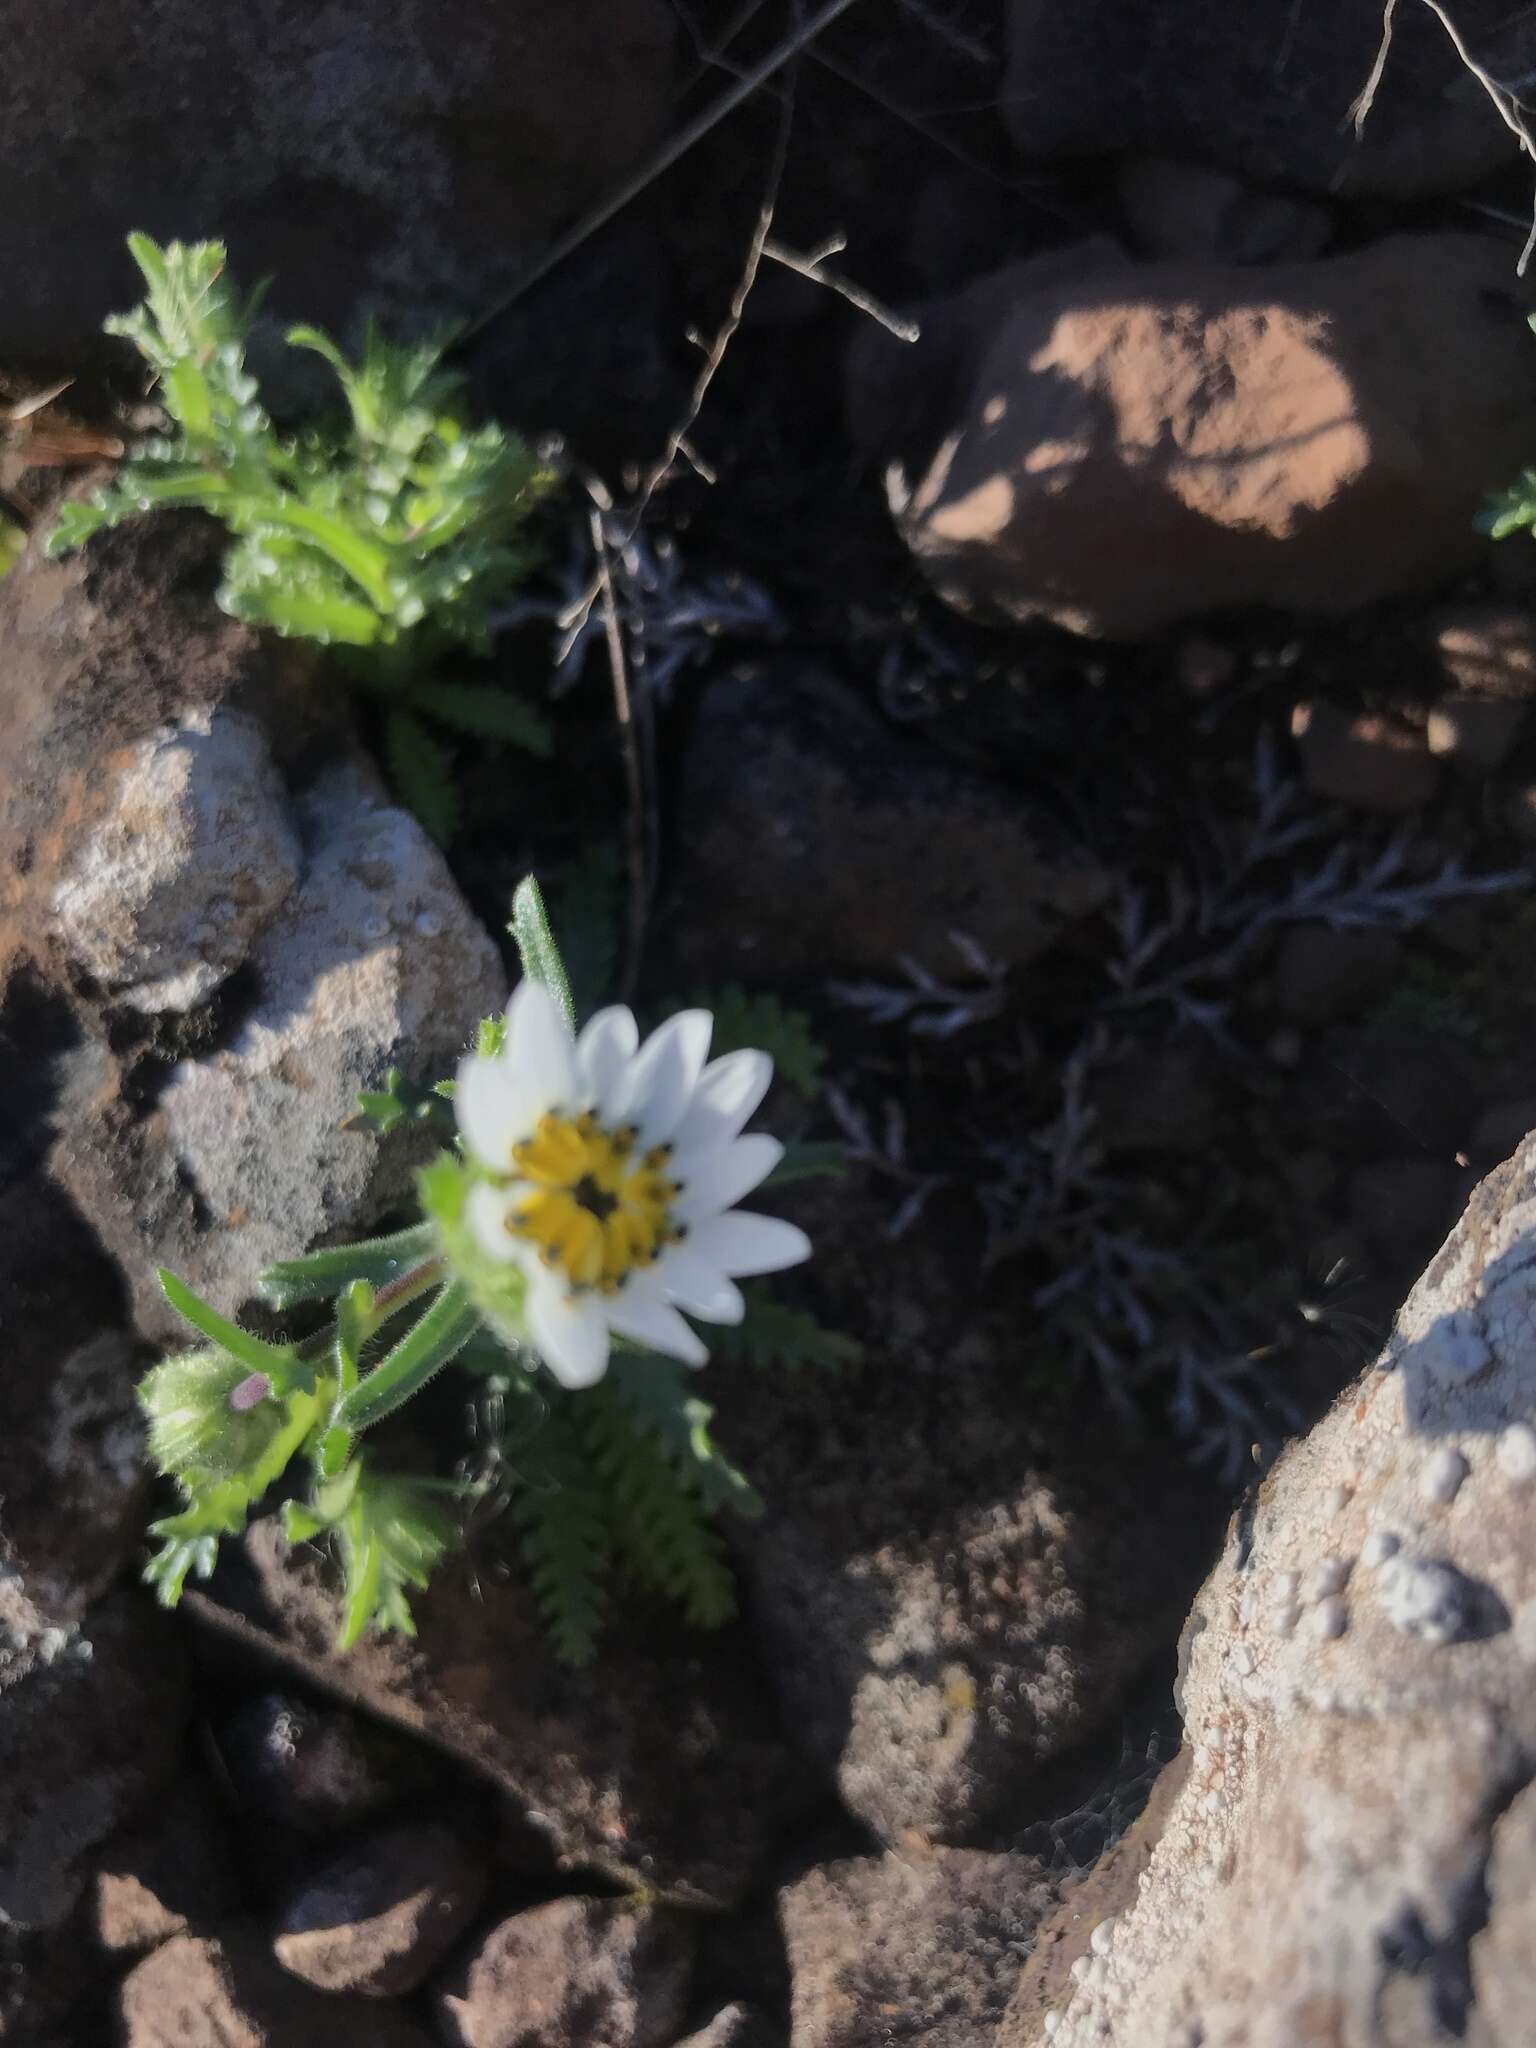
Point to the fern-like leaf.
(663, 1535)
(422, 774)
(564, 1535)
(660, 1398)
(775, 1334)
(486, 713)
(785, 1034)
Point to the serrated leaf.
(563, 1532)
(775, 1334)
(659, 1395)
(662, 1530)
(421, 774)
(392, 1535)
(763, 1022)
(487, 713)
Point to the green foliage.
(391, 1532)
(13, 544)
(776, 1335)
(620, 1479)
(785, 1034)
(536, 944)
(393, 538)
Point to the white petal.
(712, 1181)
(538, 1048)
(603, 1053)
(663, 1076)
(569, 1331)
(494, 1108)
(486, 1210)
(639, 1311)
(740, 1243)
(697, 1286)
(729, 1090)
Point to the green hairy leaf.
(321, 1275)
(536, 943)
(391, 1531)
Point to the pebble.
(1442, 1477)
(1379, 1546)
(1052, 2023)
(1329, 1619)
(1517, 1453)
(1080, 1969)
(1102, 1939)
(1286, 1585)
(1286, 1618)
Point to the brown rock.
(816, 840)
(171, 1875)
(1311, 437)
(1180, 211)
(1323, 974)
(1475, 733)
(1364, 761)
(226, 1992)
(1359, 1709)
(570, 1975)
(90, 1727)
(659, 1766)
(1488, 650)
(313, 1767)
(362, 155)
(383, 1909)
(926, 1948)
(1266, 90)
(950, 1591)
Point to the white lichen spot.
(1080, 1969)
(1517, 1453)
(1052, 2024)
(1102, 1939)
(1442, 1476)
(1285, 1585)
(1427, 1598)
(1286, 1618)
(1329, 1619)
(1328, 1575)
(1242, 1660)
(1337, 1499)
(1459, 1351)
(1378, 1547)
(375, 927)
(1247, 1607)
(429, 925)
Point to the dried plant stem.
(637, 833)
(810, 266)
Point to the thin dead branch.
(637, 833)
(810, 266)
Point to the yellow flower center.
(595, 1208)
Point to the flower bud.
(199, 1429)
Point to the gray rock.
(225, 1991)
(1374, 1761)
(167, 891)
(90, 1725)
(570, 1975)
(373, 959)
(921, 1948)
(1307, 436)
(1266, 90)
(391, 158)
(383, 1909)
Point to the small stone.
(1365, 761)
(1516, 1453)
(1443, 1474)
(1429, 1599)
(1102, 1939)
(1287, 1618)
(1052, 2023)
(1328, 1575)
(227, 1992)
(1286, 1585)
(381, 1912)
(1488, 651)
(1329, 1619)
(1379, 1546)
(168, 1875)
(1080, 1969)
(1475, 733)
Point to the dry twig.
(810, 266)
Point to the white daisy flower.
(610, 1173)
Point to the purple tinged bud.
(250, 1391)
